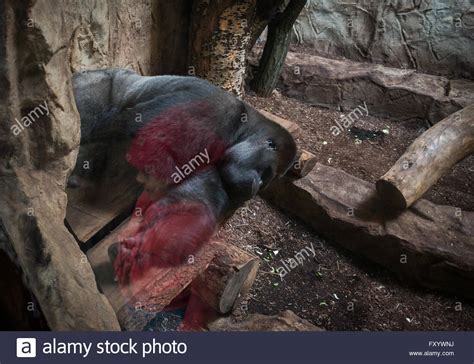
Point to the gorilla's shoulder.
(107, 73)
(126, 74)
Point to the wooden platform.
(91, 209)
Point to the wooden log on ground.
(232, 272)
(427, 245)
(428, 158)
(227, 279)
(304, 163)
(94, 206)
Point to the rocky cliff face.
(433, 36)
(41, 43)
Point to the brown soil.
(336, 290)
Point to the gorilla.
(188, 115)
(200, 153)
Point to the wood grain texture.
(427, 159)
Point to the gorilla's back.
(110, 98)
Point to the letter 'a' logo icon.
(26, 348)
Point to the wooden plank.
(428, 245)
(90, 209)
(304, 163)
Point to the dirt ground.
(370, 158)
(336, 290)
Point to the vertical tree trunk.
(265, 11)
(276, 48)
(219, 38)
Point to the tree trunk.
(227, 279)
(172, 22)
(219, 39)
(265, 11)
(276, 48)
(218, 46)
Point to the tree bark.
(172, 22)
(429, 157)
(276, 48)
(265, 11)
(219, 39)
(34, 164)
(227, 279)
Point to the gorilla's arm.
(172, 228)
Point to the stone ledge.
(398, 93)
(427, 245)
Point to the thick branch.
(276, 48)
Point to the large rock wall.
(433, 36)
(41, 43)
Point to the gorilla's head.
(263, 152)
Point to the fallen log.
(428, 245)
(227, 279)
(428, 158)
(304, 163)
(231, 274)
